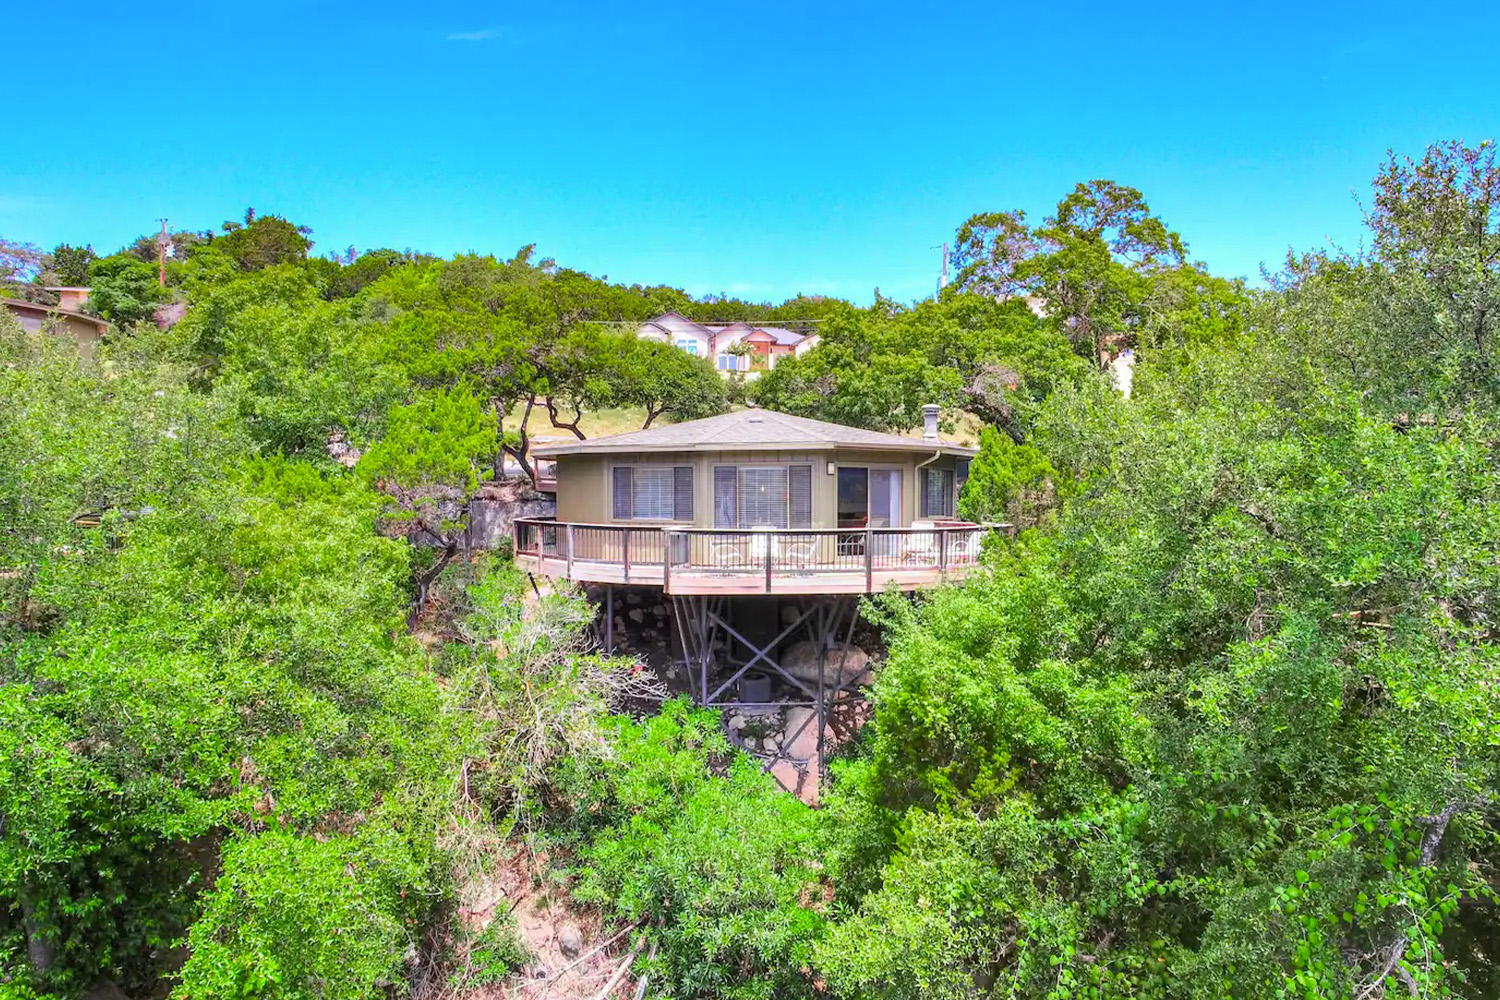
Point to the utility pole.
(943, 281)
(161, 255)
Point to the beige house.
(733, 347)
(84, 330)
(755, 502)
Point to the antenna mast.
(943, 281)
(161, 255)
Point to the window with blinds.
(653, 493)
(755, 496)
(937, 492)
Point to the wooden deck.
(761, 561)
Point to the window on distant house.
(937, 492)
(653, 493)
(755, 496)
(727, 363)
(688, 345)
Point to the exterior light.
(833, 468)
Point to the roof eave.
(916, 447)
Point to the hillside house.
(82, 329)
(755, 502)
(755, 534)
(733, 347)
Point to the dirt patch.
(572, 954)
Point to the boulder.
(490, 520)
(845, 664)
(569, 940)
(786, 772)
(801, 736)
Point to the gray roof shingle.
(750, 430)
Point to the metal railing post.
(666, 562)
(869, 560)
(942, 551)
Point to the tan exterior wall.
(585, 482)
(72, 299)
(582, 489)
(85, 333)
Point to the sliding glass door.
(867, 498)
(885, 498)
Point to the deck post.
(570, 550)
(943, 552)
(666, 561)
(625, 551)
(705, 648)
(869, 560)
(822, 718)
(770, 547)
(609, 618)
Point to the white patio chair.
(797, 552)
(921, 548)
(964, 546)
(729, 551)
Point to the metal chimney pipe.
(930, 422)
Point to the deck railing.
(756, 557)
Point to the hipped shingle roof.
(751, 430)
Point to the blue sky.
(756, 149)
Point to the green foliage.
(210, 647)
(124, 289)
(529, 675)
(878, 368)
(265, 241)
(723, 868)
(72, 264)
(1107, 272)
(1215, 694)
(353, 277)
(492, 956)
(298, 367)
(1008, 482)
(301, 918)
(442, 439)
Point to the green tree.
(1089, 264)
(427, 465)
(264, 241)
(1436, 261)
(1008, 482)
(72, 264)
(124, 290)
(192, 643)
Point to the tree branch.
(564, 425)
(1395, 950)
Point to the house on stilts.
(763, 530)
